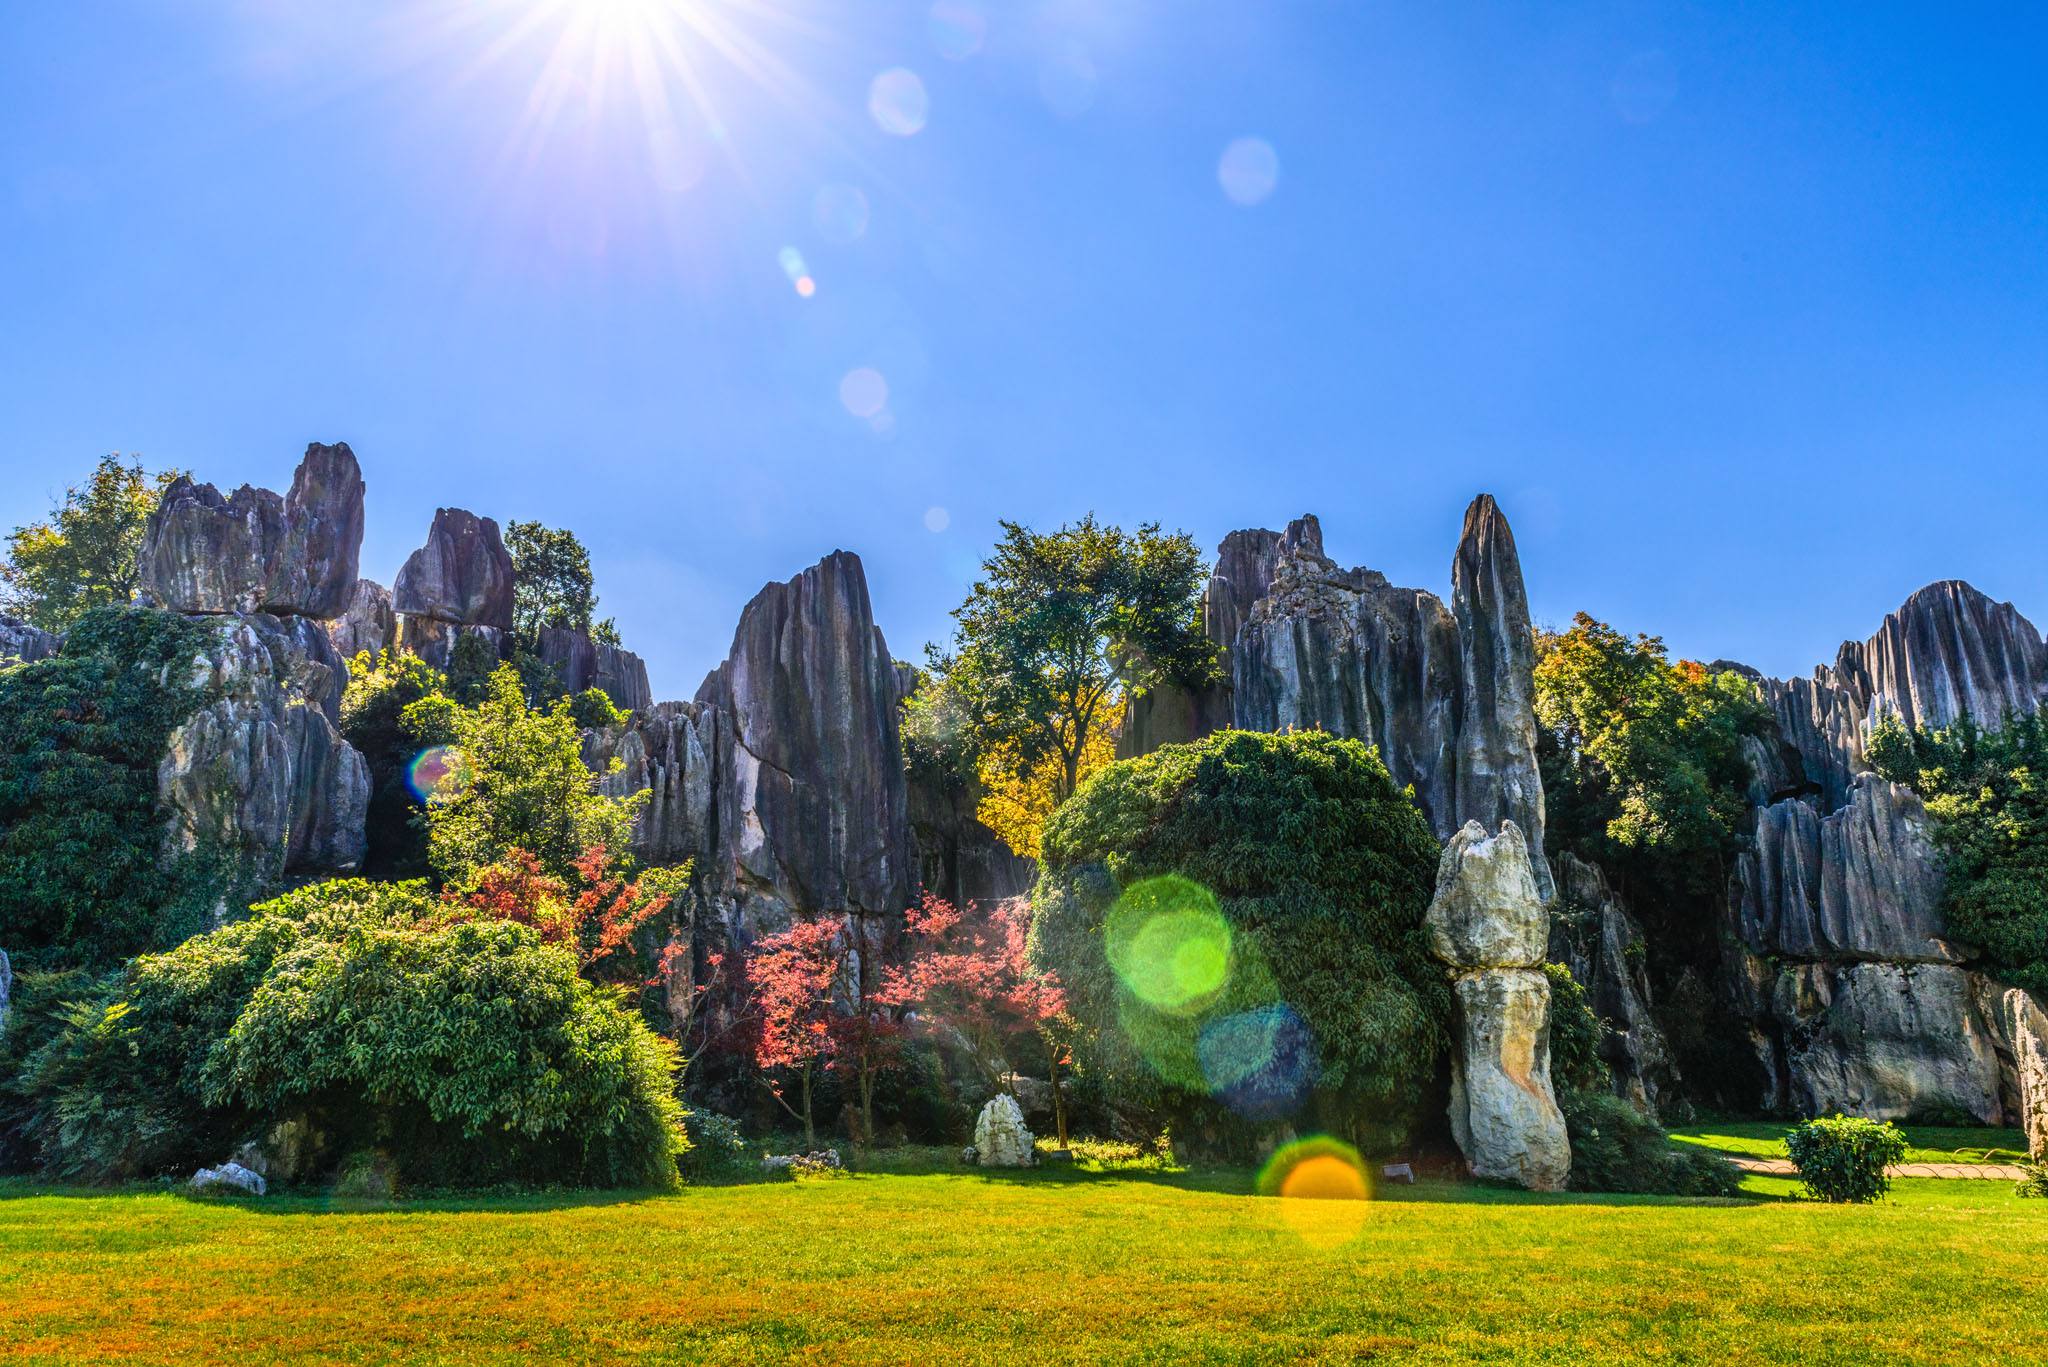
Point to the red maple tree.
(597, 918)
(790, 980)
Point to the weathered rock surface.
(253, 551)
(1593, 934)
(367, 623)
(463, 574)
(582, 663)
(1001, 1139)
(1864, 882)
(1487, 923)
(811, 802)
(261, 774)
(230, 1179)
(1949, 651)
(2026, 1034)
(6, 989)
(1887, 1040)
(960, 859)
(21, 643)
(667, 748)
(435, 641)
(1444, 692)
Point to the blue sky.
(1741, 310)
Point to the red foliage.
(970, 969)
(597, 918)
(790, 978)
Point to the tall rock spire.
(1496, 776)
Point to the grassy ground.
(1049, 1266)
(1928, 1143)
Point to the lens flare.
(841, 212)
(1169, 944)
(438, 774)
(1067, 83)
(898, 102)
(864, 392)
(1322, 1188)
(1261, 1063)
(957, 29)
(937, 519)
(1248, 171)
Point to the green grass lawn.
(1928, 1143)
(1050, 1266)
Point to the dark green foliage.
(719, 1154)
(1643, 774)
(380, 688)
(1576, 1032)
(1988, 793)
(1322, 870)
(593, 710)
(81, 832)
(1616, 1148)
(470, 665)
(473, 1053)
(1844, 1159)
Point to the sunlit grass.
(1058, 1265)
(1925, 1143)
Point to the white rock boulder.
(1001, 1139)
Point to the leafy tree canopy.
(552, 584)
(83, 556)
(1238, 927)
(512, 777)
(1988, 793)
(1059, 627)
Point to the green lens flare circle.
(1170, 944)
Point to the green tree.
(552, 584)
(1988, 794)
(380, 688)
(514, 780)
(1059, 627)
(83, 557)
(1238, 926)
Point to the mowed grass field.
(1039, 1267)
(1925, 1143)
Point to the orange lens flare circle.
(1323, 1189)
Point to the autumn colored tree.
(1019, 795)
(790, 982)
(597, 912)
(969, 969)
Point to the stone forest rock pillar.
(1488, 924)
(2026, 1029)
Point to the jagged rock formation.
(367, 623)
(960, 859)
(1488, 925)
(667, 748)
(261, 774)
(254, 551)
(462, 576)
(1445, 692)
(582, 663)
(259, 778)
(1839, 954)
(1593, 934)
(21, 643)
(2026, 1032)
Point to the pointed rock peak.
(1305, 533)
(462, 575)
(1486, 537)
(1487, 912)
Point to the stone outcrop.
(366, 623)
(667, 748)
(261, 774)
(462, 576)
(2026, 1034)
(960, 859)
(582, 663)
(254, 551)
(229, 1179)
(1444, 692)
(1001, 1138)
(21, 643)
(1488, 924)
(1593, 934)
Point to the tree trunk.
(810, 1131)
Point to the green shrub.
(380, 688)
(1844, 1159)
(82, 880)
(1616, 1148)
(2035, 1183)
(1291, 877)
(473, 1053)
(719, 1154)
(1576, 1031)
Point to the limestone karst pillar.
(1490, 927)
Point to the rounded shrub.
(1237, 923)
(1617, 1148)
(1844, 1159)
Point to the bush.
(1238, 926)
(473, 1053)
(82, 881)
(1575, 1035)
(1844, 1159)
(1616, 1148)
(719, 1154)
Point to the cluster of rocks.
(1838, 954)
(1445, 692)
(1489, 926)
(803, 1164)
